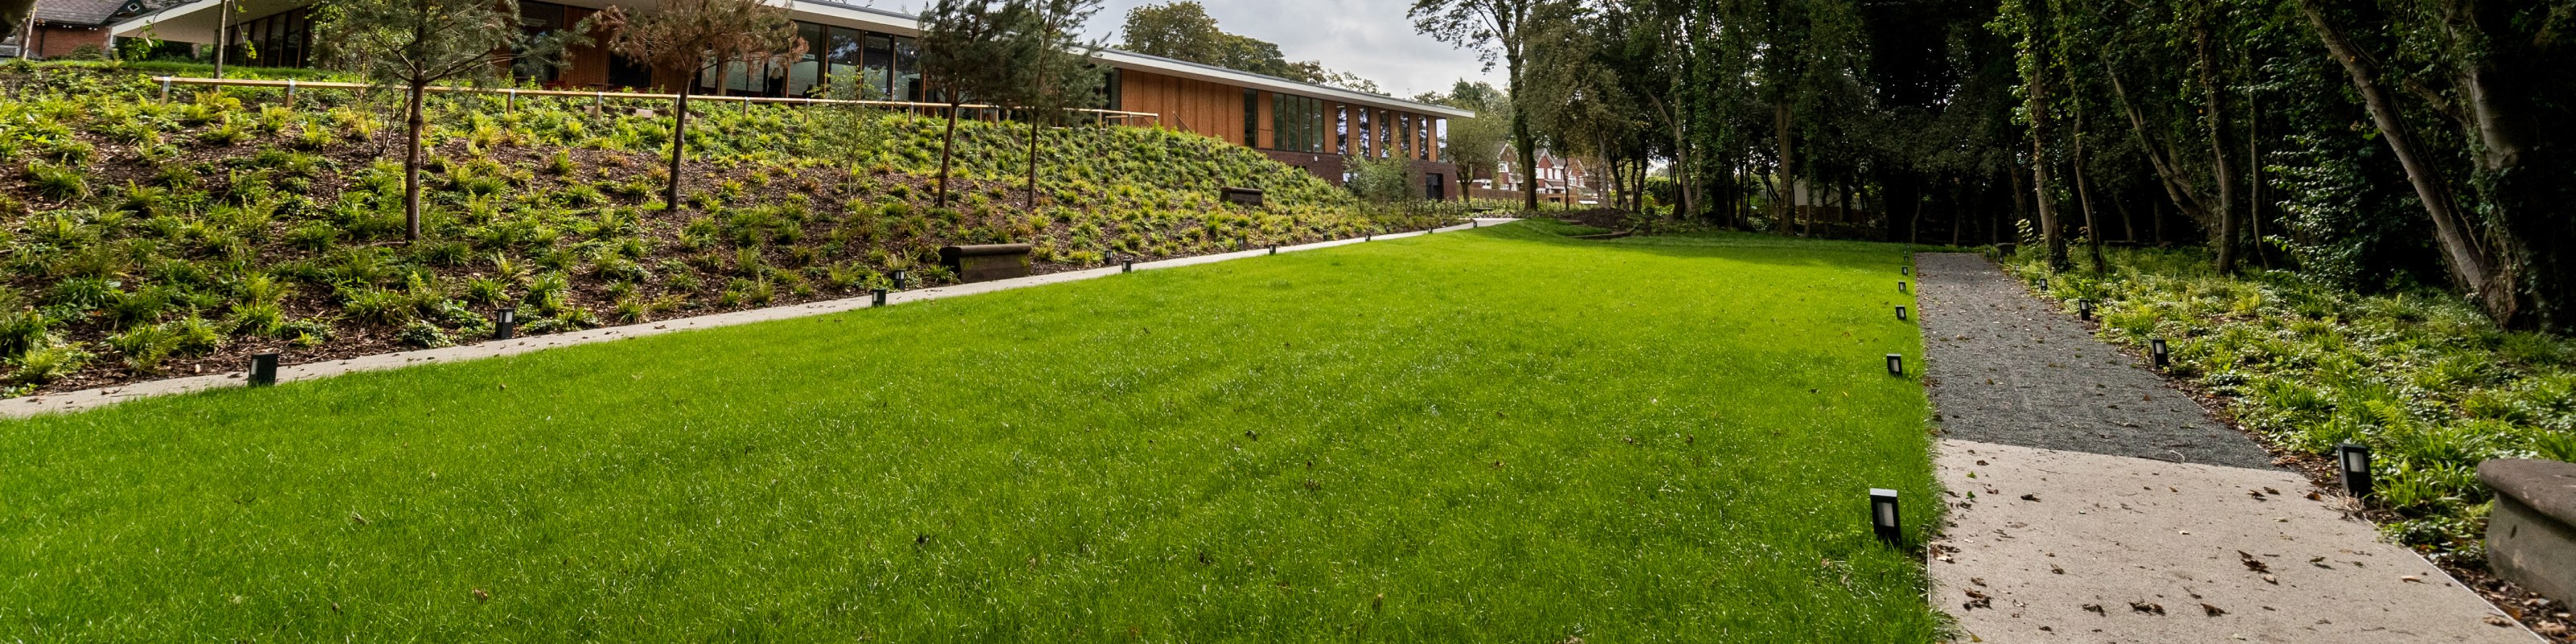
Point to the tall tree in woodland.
(2494, 71)
(1496, 29)
(1055, 70)
(969, 50)
(684, 39)
(2026, 18)
(413, 44)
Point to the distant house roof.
(86, 12)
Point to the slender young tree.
(972, 49)
(685, 38)
(1056, 70)
(413, 44)
(1496, 29)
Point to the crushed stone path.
(86, 399)
(2071, 520)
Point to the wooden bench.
(2531, 533)
(986, 262)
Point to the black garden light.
(1882, 517)
(877, 297)
(2156, 349)
(1905, 270)
(1896, 364)
(2354, 461)
(2084, 309)
(1900, 313)
(1129, 267)
(902, 280)
(263, 370)
(505, 324)
(2043, 283)
(1274, 249)
(1900, 286)
(1369, 237)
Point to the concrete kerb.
(88, 399)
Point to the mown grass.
(1499, 435)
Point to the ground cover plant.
(2424, 379)
(1498, 434)
(147, 238)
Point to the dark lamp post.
(505, 324)
(1900, 313)
(1896, 364)
(2353, 460)
(2156, 349)
(1882, 517)
(263, 370)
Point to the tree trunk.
(2128, 223)
(679, 147)
(2254, 178)
(2214, 103)
(2166, 162)
(2472, 268)
(2021, 208)
(1033, 163)
(223, 24)
(1787, 176)
(947, 145)
(2037, 104)
(413, 123)
(2084, 197)
(1523, 144)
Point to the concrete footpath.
(2093, 502)
(86, 399)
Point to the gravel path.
(2004, 368)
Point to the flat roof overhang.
(196, 22)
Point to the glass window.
(878, 74)
(1251, 118)
(1342, 130)
(841, 50)
(1368, 147)
(907, 69)
(805, 77)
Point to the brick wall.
(55, 40)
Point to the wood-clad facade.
(1315, 133)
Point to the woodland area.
(2378, 145)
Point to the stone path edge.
(89, 399)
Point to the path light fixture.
(2043, 283)
(2084, 309)
(2353, 460)
(1369, 237)
(1274, 249)
(1905, 270)
(902, 280)
(263, 370)
(1475, 223)
(1129, 267)
(1900, 286)
(2156, 349)
(877, 297)
(1882, 517)
(1896, 364)
(1900, 312)
(505, 324)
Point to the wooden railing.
(598, 98)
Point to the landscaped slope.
(1497, 435)
(145, 237)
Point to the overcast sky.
(1371, 38)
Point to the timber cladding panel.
(1201, 107)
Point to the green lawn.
(1499, 435)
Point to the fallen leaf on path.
(2096, 608)
(2252, 563)
(2030, 497)
(2213, 611)
(2148, 608)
